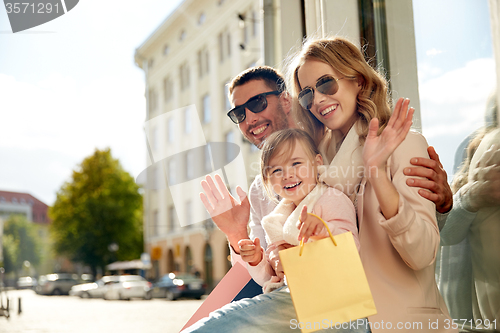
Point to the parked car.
(56, 284)
(127, 287)
(172, 286)
(26, 282)
(94, 289)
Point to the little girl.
(289, 169)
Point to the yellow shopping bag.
(327, 282)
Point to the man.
(245, 93)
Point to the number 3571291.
(24, 7)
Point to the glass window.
(227, 103)
(189, 165)
(167, 89)
(254, 24)
(229, 138)
(188, 120)
(155, 223)
(166, 50)
(171, 218)
(184, 76)
(200, 63)
(201, 19)
(189, 213)
(170, 130)
(220, 40)
(208, 158)
(182, 35)
(152, 99)
(172, 179)
(206, 108)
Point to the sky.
(70, 86)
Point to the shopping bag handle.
(327, 229)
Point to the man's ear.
(286, 102)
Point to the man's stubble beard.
(280, 123)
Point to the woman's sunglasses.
(256, 104)
(327, 85)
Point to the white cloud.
(453, 105)
(433, 52)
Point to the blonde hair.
(344, 57)
(283, 143)
(491, 122)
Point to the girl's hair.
(344, 57)
(283, 143)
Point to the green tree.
(101, 205)
(20, 243)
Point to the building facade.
(188, 62)
(35, 211)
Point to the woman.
(343, 105)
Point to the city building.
(189, 59)
(35, 211)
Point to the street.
(69, 314)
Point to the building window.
(373, 34)
(155, 223)
(224, 40)
(254, 24)
(203, 62)
(182, 35)
(171, 218)
(188, 121)
(227, 103)
(189, 214)
(229, 138)
(151, 62)
(184, 76)
(168, 89)
(220, 40)
(2, 199)
(208, 159)
(244, 27)
(152, 100)
(206, 108)
(189, 165)
(14, 200)
(202, 18)
(170, 130)
(23, 201)
(154, 139)
(171, 171)
(166, 50)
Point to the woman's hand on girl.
(378, 148)
(250, 251)
(310, 226)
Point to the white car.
(127, 287)
(94, 289)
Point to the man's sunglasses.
(256, 104)
(327, 85)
